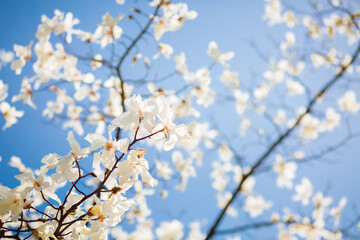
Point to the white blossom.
(24, 55)
(256, 205)
(3, 91)
(294, 87)
(108, 30)
(286, 171)
(10, 114)
(222, 58)
(348, 102)
(5, 57)
(170, 230)
(303, 191)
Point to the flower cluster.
(147, 138)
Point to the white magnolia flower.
(317, 60)
(40, 183)
(201, 77)
(286, 171)
(48, 25)
(173, 18)
(348, 102)
(295, 69)
(256, 205)
(3, 91)
(184, 166)
(53, 108)
(26, 93)
(294, 87)
(321, 203)
(262, 91)
(298, 155)
(183, 107)
(65, 170)
(96, 63)
(108, 31)
(195, 232)
(164, 49)
(241, 101)
(10, 114)
(24, 55)
(230, 78)
(219, 174)
(138, 112)
(46, 230)
(332, 120)
(143, 231)
(336, 212)
(248, 185)
(129, 169)
(303, 191)
(286, 235)
(309, 127)
(74, 113)
(5, 57)
(336, 2)
(158, 92)
(11, 201)
(244, 125)
(205, 95)
(289, 43)
(277, 71)
(163, 169)
(273, 11)
(330, 58)
(111, 145)
(91, 92)
(66, 25)
(222, 199)
(120, 2)
(180, 61)
(280, 118)
(199, 133)
(290, 39)
(213, 52)
(170, 230)
(313, 29)
(176, 132)
(290, 19)
(225, 153)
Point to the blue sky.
(232, 24)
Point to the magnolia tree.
(147, 124)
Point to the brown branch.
(58, 232)
(140, 35)
(280, 139)
(246, 227)
(43, 213)
(123, 57)
(47, 201)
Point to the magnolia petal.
(52, 195)
(96, 161)
(96, 140)
(147, 178)
(171, 143)
(123, 145)
(121, 120)
(72, 141)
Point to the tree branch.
(280, 139)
